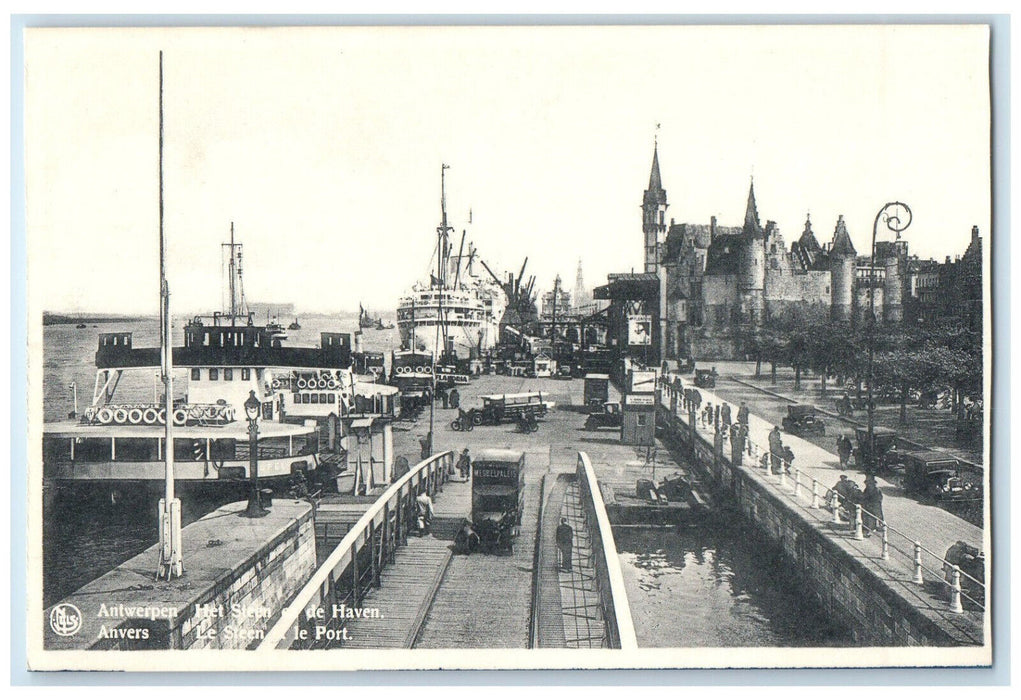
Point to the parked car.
(886, 459)
(937, 476)
(610, 417)
(803, 419)
(705, 378)
(564, 372)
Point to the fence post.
(886, 543)
(797, 483)
(835, 502)
(373, 564)
(955, 591)
(815, 493)
(783, 473)
(858, 534)
(918, 577)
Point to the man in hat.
(565, 542)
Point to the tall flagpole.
(171, 562)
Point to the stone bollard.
(815, 493)
(886, 544)
(918, 577)
(783, 474)
(955, 590)
(797, 483)
(835, 502)
(858, 534)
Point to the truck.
(597, 391)
(497, 408)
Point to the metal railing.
(354, 566)
(926, 566)
(620, 630)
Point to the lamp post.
(252, 408)
(897, 217)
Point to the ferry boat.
(309, 396)
(457, 314)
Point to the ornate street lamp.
(252, 408)
(897, 217)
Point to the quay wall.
(874, 612)
(239, 573)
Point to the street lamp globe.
(252, 406)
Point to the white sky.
(324, 147)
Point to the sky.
(323, 146)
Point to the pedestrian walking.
(455, 398)
(776, 449)
(716, 416)
(872, 504)
(843, 450)
(788, 458)
(742, 414)
(696, 396)
(464, 465)
(565, 543)
(444, 398)
(425, 442)
(725, 414)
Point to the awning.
(362, 422)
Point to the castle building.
(723, 280)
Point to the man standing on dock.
(565, 543)
(742, 414)
(776, 449)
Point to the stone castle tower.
(842, 272)
(654, 215)
(751, 283)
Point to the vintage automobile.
(886, 459)
(564, 372)
(803, 419)
(498, 493)
(497, 408)
(705, 378)
(597, 391)
(937, 476)
(610, 417)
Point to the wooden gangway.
(384, 587)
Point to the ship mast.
(171, 563)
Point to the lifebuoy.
(120, 415)
(302, 383)
(135, 416)
(276, 383)
(332, 383)
(150, 416)
(105, 415)
(180, 416)
(420, 369)
(161, 417)
(427, 369)
(321, 383)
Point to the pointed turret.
(841, 240)
(751, 214)
(654, 207)
(842, 273)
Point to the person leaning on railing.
(872, 506)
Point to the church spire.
(655, 181)
(751, 214)
(654, 206)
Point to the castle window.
(246, 374)
(827, 289)
(196, 373)
(228, 375)
(214, 374)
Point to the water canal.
(712, 586)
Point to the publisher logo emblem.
(65, 619)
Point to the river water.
(713, 586)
